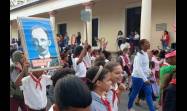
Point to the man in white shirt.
(41, 41)
(140, 76)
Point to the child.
(71, 94)
(18, 70)
(157, 63)
(87, 59)
(34, 90)
(64, 60)
(60, 73)
(99, 61)
(124, 60)
(115, 90)
(98, 81)
(78, 64)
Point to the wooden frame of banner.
(23, 42)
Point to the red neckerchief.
(173, 81)
(37, 81)
(114, 96)
(106, 103)
(126, 59)
(127, 62)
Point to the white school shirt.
(141, 66)
(87, 60)
(80, 69)
(110, 95)
(35, 98)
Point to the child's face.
(106, 83)
(116, 74)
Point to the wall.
(163, 11)
(111, 15)
(14, 29)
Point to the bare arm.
(121, 89)
(166, 79)
(83, 53)
(21, 75)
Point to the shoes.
(130, 110)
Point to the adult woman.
(120, 38)
(165, 40)
(140, 75)
(78, 38)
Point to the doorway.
(133, 20)
(62, 28)
(94, 31)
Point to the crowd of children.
(90, 80)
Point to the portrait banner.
(39, 43)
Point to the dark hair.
(70, 91)
(99, 61)
(79, 33)
(111, 64)
(155, 52)
(142, 42)
(162, 54)
(77, 51)
(166, 31)
(119, 52)
(89, 47)
(151, 64)
(91, 73)
(120, 32)
(63, 55)
(107, 54)
(58, 35)
(61, 73)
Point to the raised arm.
(22, 74)
(83, 53)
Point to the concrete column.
(52, 19)
(88, 7)
(145, 27)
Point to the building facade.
(148, 17)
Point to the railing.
(19, 3)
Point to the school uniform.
(80, 69)
(157, 65)
(126, 64)
(99, 103)
(113, 98)
(34, 91)
(87, 60)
